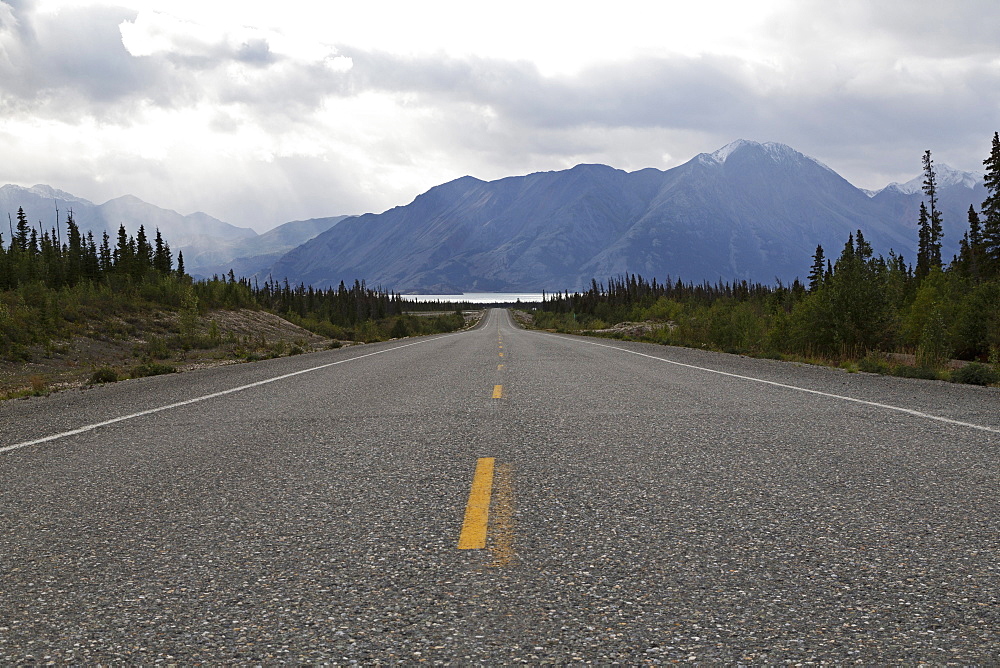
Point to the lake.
(479, 297)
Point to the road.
(648, 504)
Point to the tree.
(923, 242)
(817, 273)
(162, 260)
(143, 251)
(123, 251)
(74, 251)
(991, 210)
(934, 230)
(22, 232)
(970, 247)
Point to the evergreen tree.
(816, 274)
(162, 260)
(74, 251)
(923, 243)
(935, 232)
(143, 251)
(180, 263)
(991, 211)
(971, 248)
(22, 232)
(122, 255)
(105, 256)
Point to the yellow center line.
(501, 354)
(499, 367)
(477, 510)
(498, 391)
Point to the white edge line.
(875, 404)
(97, 425)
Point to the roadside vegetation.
(75, 310)
(859, 311)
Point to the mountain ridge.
(748, 211)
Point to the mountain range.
(752, 211)
(747, 211)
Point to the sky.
(259, 113)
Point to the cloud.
(250, 119)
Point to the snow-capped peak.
(775, 150)
(49, 192)
(723, 153)
(945, 175)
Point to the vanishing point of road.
(499, 496)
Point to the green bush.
(151, 369)
(873, 363)
(975, 373)
(906, 371)
(104, 374)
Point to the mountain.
(254, 255)
(747, 211)
(210, 246)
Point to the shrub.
(151, 369)
(906, 371)
(104, 374)
(872, 363)
(399, 330)
(975, 373)
(157, 348)
(38, 385)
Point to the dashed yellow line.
(477, 510)
(499, 367)
(498, 391)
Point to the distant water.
(480, 297)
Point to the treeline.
(357, 313)
(59, 283)
(57, 259)
(853, 306)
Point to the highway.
(643, 504)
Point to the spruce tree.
(972, 249)
(162, 260)
(923, 242)
(935, 230)
(991, 211)
(23, 231)
(816, 274)
(143, 251)
(106, 258)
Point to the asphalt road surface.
(648, 504)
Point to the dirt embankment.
(122, 344)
